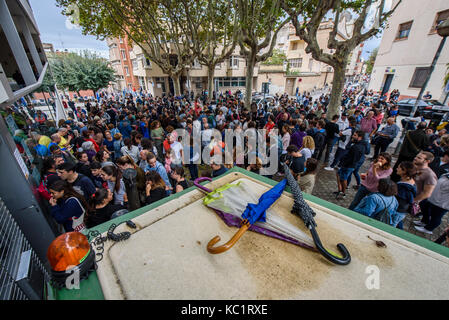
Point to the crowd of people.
(82, 160)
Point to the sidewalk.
(326, 184)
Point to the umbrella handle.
(199, 186)
(332, 257)
(228, 245)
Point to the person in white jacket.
(344, 139)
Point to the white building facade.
(407, 50)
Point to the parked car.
(425, 108)
(269, 100)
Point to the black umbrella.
(303, 210)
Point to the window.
(127, 71)
(295, 46)
(295, 63)
(147, 63)
(231, 81)
(234, 62)
(196, 64)
(135, 65)
(419, 77)
(404, 30)
(123, 54)
(310, 65)
(441, 16)
(120, 39)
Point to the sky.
(54, 28)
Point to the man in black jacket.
(348, 163)
(320, 139)
(414, 142)
(441, 164)
(332, 131)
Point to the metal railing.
(13, 247)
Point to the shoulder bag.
(384, 214)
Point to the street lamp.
(443, 31)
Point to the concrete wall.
(417, 50)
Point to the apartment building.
(408, 47)
(120, 53)
(48, 47)
(301, 72)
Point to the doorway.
(290, 85)
(171, 86)
(387, 84)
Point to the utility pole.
(443, 31)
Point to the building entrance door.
(387, 84)
(289, 86)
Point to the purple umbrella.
(253, 213)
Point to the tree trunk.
(210, 81)
(251, 62)
(338, 84)
(176, 85)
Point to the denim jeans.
(381, 145)
(338, 156)
(329, 146)
(397, 218)
(193, 169)
(361, 193)
(356, 171)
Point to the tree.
(94, 72)
(371, 61)
(313, 12)
(158, 27)
(446, 78)
(214, 29)
(260, 22)
(48, 86)
(278, 58)
(80, 72)
(64, 68)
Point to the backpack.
(43, 189)
(383, 215)
(78, 223)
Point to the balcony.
(23, 62)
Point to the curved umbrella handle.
(332, 257)
(228, 245)
(199, 186)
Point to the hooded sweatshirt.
(406, 195)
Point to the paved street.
(326, 184)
